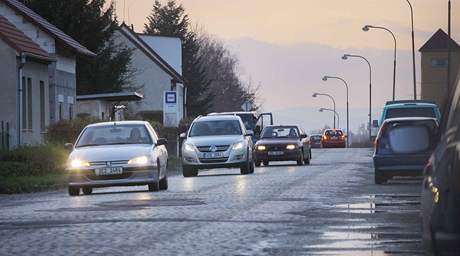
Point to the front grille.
(276, 147)
(108, 163)
(124, 175)
(219, 148)
(214, 160)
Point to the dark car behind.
(403, 147)
(315, 140)
(441, 187)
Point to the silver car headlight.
(141, 160)
(189, 147)
(238, 146)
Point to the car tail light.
(324, 137)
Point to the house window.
(439, 63)
(24, 104)
(29, 103)
(42, 106)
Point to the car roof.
(414, 104)
(217, 118)
(118, 123)
(283, 125)
(404, 119)
(232, 113)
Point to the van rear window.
(409, 139)
(410, 112)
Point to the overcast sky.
(287, 46)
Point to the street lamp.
(366, 28)
(316, 94)
(413, 49)
(335, 115)
(345, 57)
(348, 110)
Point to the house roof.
(147, 50)
(116, 96)
(439, 42)
(19, 41)
(39, 21)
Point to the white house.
(157, 63)
(38, 88)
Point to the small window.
(24, 104)
(439, 63)
(60, 111)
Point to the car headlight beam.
(238, 146)
(77, 163)
(261, 147)
(290, 147)
(142, 160)
(189, 147)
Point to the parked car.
(403, 147)
(441, 187)
(410, 108)
(333, 138)
(117, 154)
(252, 121)
(219, 141)
(315, 140)
(282, 143)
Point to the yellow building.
(434, 67)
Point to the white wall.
(169, 49)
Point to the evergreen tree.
(171, 20)
(92, 25)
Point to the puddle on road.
(132, 205)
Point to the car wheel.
(257, 163)
(246, 168)
(266, 162)
(87, 190)
(301, 160)
(379, 177)
(188, 171)
(74, 191)
(164, 183)
(153, 187)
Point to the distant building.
(37, 73)
(434, 67)
(157, 62)
(106, 106)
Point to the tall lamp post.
(348, 110)
(345, 57)
(366, 28)
(335, 114)
(316, 94)
(413, 49)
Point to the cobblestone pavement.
(330, 207)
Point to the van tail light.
(324, 137)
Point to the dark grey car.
(403, 147)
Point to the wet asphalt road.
(331, 207)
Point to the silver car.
(217, 142)
(117, 154)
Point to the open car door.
(263, 120)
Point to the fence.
(4, 135)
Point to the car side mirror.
(375, 123)
(303, 136)
(161, 142)
(68, 146)
(183, 135)
(249, 133)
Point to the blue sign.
(170, 97)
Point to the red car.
(333, 138)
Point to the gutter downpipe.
(20, 91)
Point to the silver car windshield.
(113, 135)
(212, 128)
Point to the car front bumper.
(291, 155)
(131, 176)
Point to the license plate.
(275, 153)
(213, 155)
(335, 138)
(109, 171)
